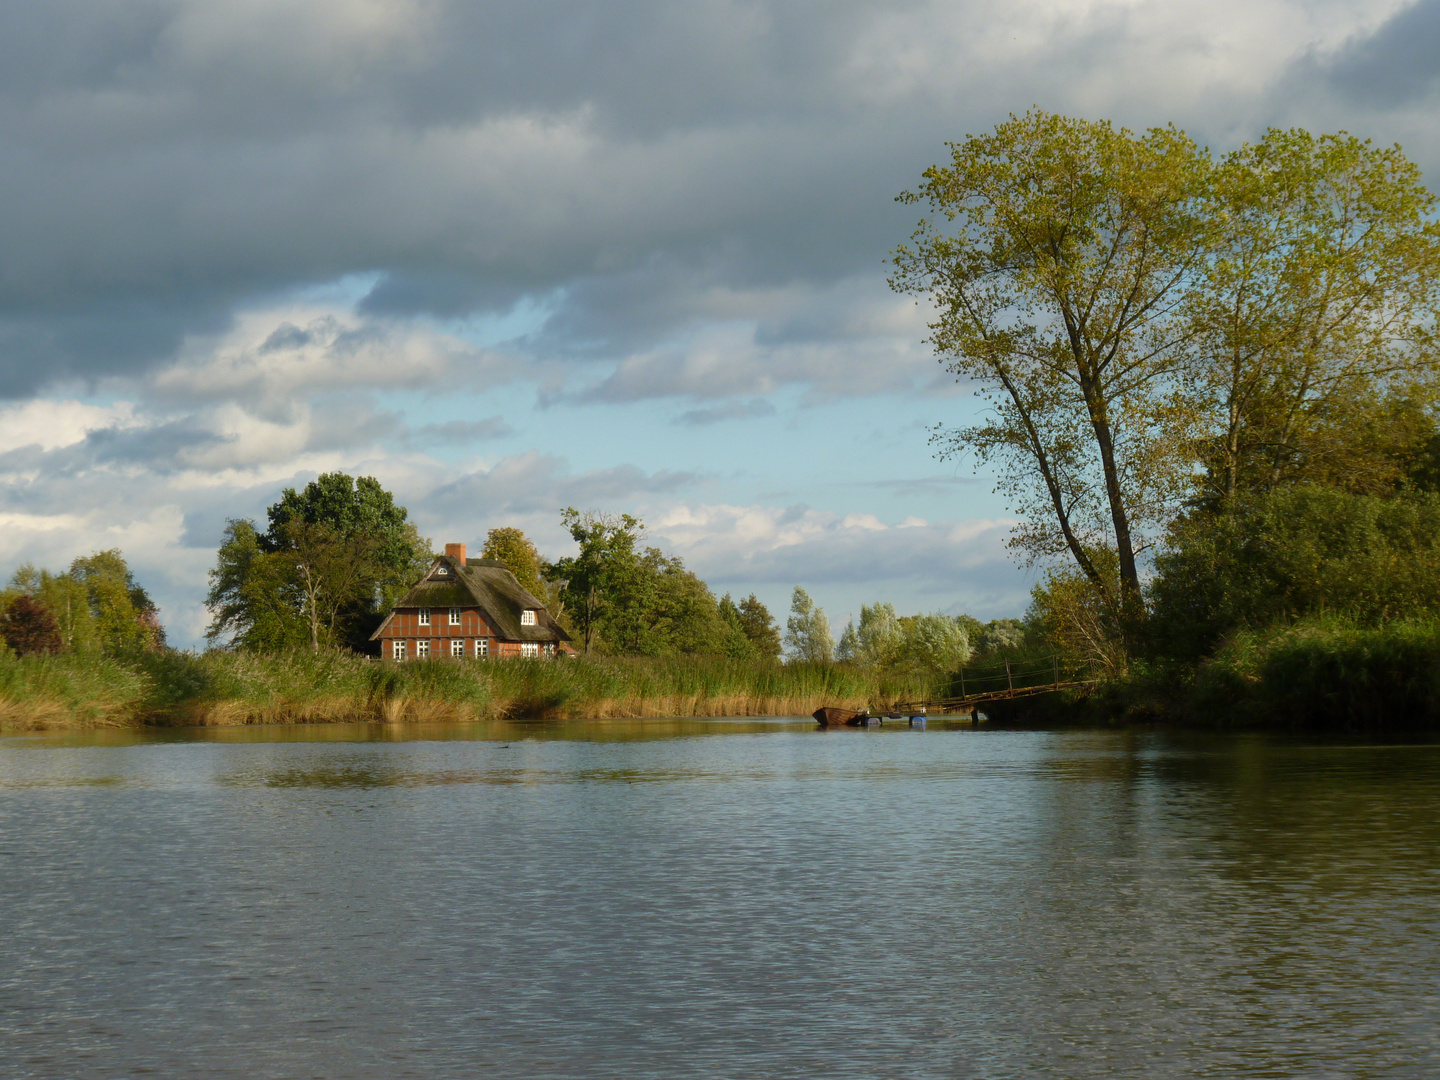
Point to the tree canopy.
(335, 557)
(96, 605)
(622, 596)
(1153, 328)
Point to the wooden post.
(962, 681)
(1056, 657)
(1008, 680)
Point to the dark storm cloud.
(168, 161)
(1395, 64)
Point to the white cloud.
(51, 424)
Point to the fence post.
(962, 680)
(1056, 658)
(1008, 680)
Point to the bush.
(1292, 554)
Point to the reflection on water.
(716, 898)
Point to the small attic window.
(441, 571)
(527, 617)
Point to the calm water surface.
(716, 899)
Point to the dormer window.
(527, 617)
(424, 616)
(441, 571)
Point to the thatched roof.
(484, 583)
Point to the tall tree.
(332, 573)
(1314, 320)
(513, 548)
(807, 631)
(333, 558)
(251, 598)
(351, 507)
(760, 627)
(605, 576)
(1056, 254)
(125, 616)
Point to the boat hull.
(827, 716)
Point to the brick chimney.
(456, 552)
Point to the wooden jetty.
(978, 692)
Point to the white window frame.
(454, 616)
(482, 648)
(457, 647)
(397, 650)
(549, 650)
(424, 616)
(422, 649)
(529, 650)
(527, 617)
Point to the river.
(712, 899)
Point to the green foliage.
(1055, 253)
(927, 645)
(354, 507)
(1296, 552)
(298, 685)
(1072, 618)
(97, 605)
(807, 631)
(1324, 672)
(1313, 320)
(334, 558)
(516, 550)
(630, 600)
(1127, 306)
(604, 582)
(759, 627)
(250, 597)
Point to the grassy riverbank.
(220, 688)
(1322, 673)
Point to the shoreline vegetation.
(218, 688)
(1323, 673)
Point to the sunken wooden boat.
(829, 716)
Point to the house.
(471, 608)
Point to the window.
(549, 650)
(482, 648)
(529, 650)
(457, 647)
(454, 616)
(440, 571)
(422, 649)
(424, 616)
(397, 650)
(527, 617)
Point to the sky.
(513, 257)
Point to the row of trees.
(1170, 342)
(921, 644)
(338, 554)
(619, 595)
(95, 606)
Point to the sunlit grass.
(300, 686)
